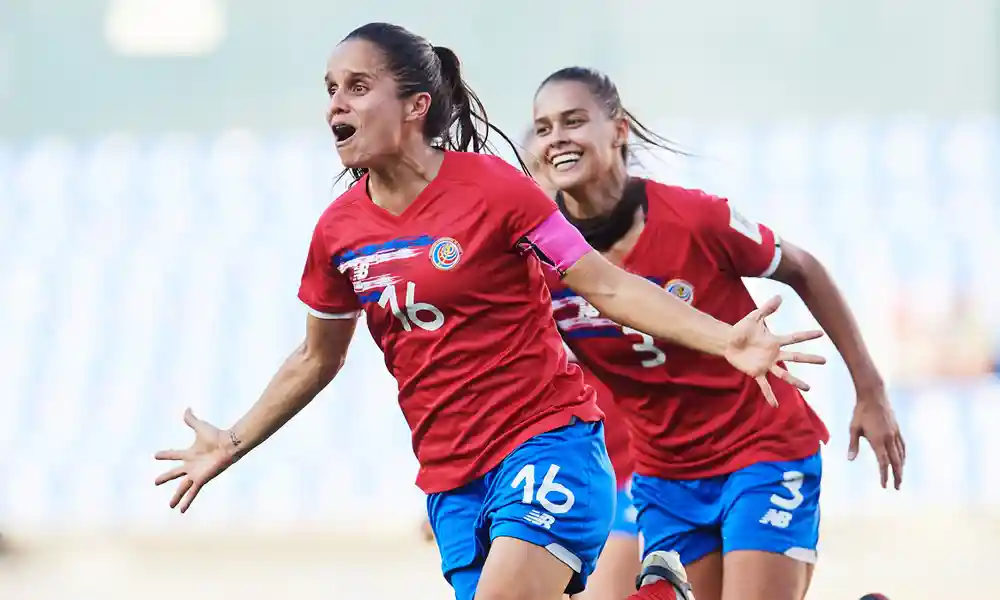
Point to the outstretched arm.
(304, 374)
(635, 302)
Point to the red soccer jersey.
(463, 317)
(616, 433)
(692, 415)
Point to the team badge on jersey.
(445, 253)
(682, 289)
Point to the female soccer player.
(729, 484)
(618, 564)
(431, 245)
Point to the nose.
(336, 106)
(557, 137)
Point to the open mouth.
(343, 132)
(565, 161)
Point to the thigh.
(617, 568)
(557, 492)
(705, 576)
(757, 575)
(679, 516)
(519, 570)
(454, 518)
(774, 507)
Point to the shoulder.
(346, 201)
(688, 207)
(342, 214)
(492, 174)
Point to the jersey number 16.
(410, 314)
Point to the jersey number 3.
(646, 347)
(411, 312)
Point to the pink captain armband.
(557, 243)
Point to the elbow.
(323, 366)
(799, 269)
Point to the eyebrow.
(563, 113)
(350, 75)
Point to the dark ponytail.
(460, 131)
(456, 119)
(605, 92)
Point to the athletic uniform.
(509, 440)
(717, 468)
(619, 442)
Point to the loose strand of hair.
(650, 137)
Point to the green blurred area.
(706, 59)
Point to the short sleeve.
(737, 243)
(327, 292)
(525, 207)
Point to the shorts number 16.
(526, 476)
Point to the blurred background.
(162, 165)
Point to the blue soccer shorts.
(556, 491)
(768, 506)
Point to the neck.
(396, 183)
(597, 198)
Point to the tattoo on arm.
(236, 442)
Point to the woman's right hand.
(211, 453)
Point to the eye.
(575, 122)
(331, 89)
(358, 88)
(541, 130)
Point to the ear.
(417, 106)
(621, 132)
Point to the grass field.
(907, 559)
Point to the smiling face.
(365, 113)
(577, 141)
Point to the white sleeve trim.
(329, 316)
(775, 260)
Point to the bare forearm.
(296, 383)
(644, 306)
(829, 307)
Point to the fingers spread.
(170, 455)
(800, 336)
(189, 419)
(186, 504)
(182, 488)
(765, 387)
(768, 308)
(171, 475)
(802, 357)
(792, 379)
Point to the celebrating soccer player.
(725, 483)
(442, 250)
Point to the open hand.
(756, 351)
(211, 453)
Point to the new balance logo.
(777, 518)
(543, 520)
